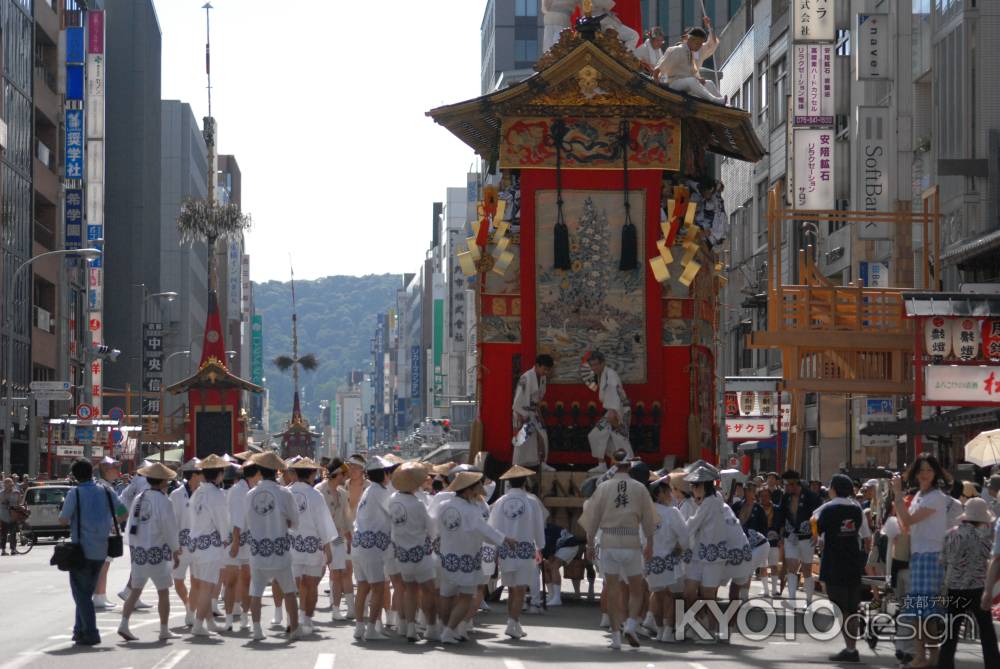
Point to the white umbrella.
(984, 449)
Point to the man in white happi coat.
(611, 393)
(271, 513)
(236, 573)
(180, 499)
(531, 444)
(210, 533)
(651, 50)
(312, 540)
(681, 64)
(153, 546)
(520, 516)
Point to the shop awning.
(942, 425)
(956, 255)
(927, 303)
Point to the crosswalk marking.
(697, 665)
(171, 660)
(325, 661)
(513, 664)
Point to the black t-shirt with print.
(843, 562)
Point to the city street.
(38, 617)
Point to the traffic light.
(106, 352)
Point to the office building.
(183, 268)
(132, 183)
(511, 36)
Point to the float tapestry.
(593, 305)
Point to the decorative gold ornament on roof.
(607, 40)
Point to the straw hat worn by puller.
(268, 460)
(409, 477)
(214, 462)
(377, 462)
(702, 474)
(158, 472)
(465, 480)
(517, 472)
(304, 463)
(192, 465)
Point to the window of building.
(734, 237)
(748, 95)
(762, 190)
(779, 77)
(687, 14)
(525, 50)
(746, 232)
(736, 100)
(843, 42)
(525, 7)
(762, 91)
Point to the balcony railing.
(841, 308)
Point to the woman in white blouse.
(927, 520)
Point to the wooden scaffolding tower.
(851, 339)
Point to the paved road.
(38, 612)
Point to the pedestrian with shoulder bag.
(89, 513)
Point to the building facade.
(183, 268)
(909, 109)
(133, 182)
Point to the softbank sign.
(872, 173)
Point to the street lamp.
(169, 296)
(8, 422)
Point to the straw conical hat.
(464, 480)
(268, 460)
(214, 462)
(409, 477)
(304, 463)
(516, 472)
(157, 471)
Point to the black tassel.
(560, 234)
(629, 260)
(630, 252)
(560, 251)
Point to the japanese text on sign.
(962, 383)
(74, 144)
(813, 20)
(813, 80)
(814, 169)
(749, 428)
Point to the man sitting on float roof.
(681, 64)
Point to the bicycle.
(24, 539)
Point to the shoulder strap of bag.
(111, 508)
(79, 512)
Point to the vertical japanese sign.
(813, 20)
(873, 48)
(245, 292)
(235, 281)
(438, 351)
(872, 171)
(415, 372)
(75, 61)
(153, 368)
(814, 169)
(95, 184)
(74, 218)
(257, 349)
(991, 339)
(813, 81)
(74, 144)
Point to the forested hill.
(336, 323)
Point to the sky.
(323, 103)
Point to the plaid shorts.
(926, 580)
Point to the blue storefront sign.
(74, 144)
(74, 46)
(74, 218)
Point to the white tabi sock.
(775, 584)
(791, 584)
(809, 585)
